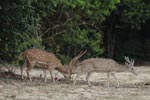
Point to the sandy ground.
(131, 87)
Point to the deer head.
(69, 69)
(74, 60)
(130, 65)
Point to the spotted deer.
(101, 65)
(47, 61)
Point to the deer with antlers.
(99, 65)
(47, 61)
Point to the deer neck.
(63, 69)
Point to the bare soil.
(131, 87)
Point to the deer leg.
(29, 67)
(117, 84)
(76, 76)
(22, 68)
(74, 83)
(45, 77)
(87, 78)
(108, 79)
(50, 70)
(75, 79)
(52, 77)
(28, 73)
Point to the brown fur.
(44, 60)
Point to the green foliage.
(127, 30)
(72, 44)
(19, 28)
(64, 27)
(137, 12)
(75, 25)
(135, 32)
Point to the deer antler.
(74, 60)
(129, 61)
(132, 60)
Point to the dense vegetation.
(110, 28)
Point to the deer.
(47, 61)
(101, 65)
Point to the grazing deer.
(36, 57)
(98, 65)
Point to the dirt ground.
(131, 87)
